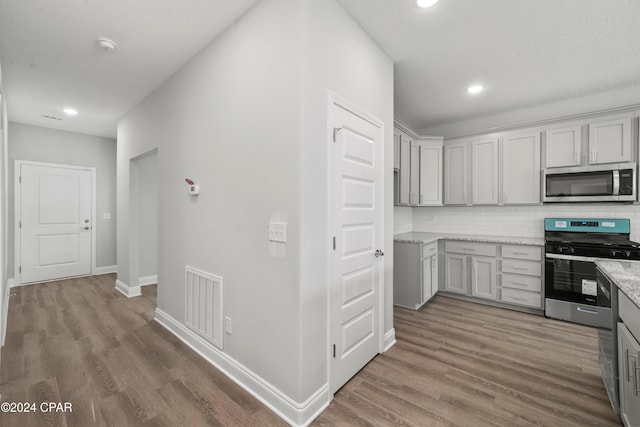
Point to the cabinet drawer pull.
(519, 298)
(469, 249)
(521, 253)
(519, 284)
(520, 268)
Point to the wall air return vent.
(203, 313)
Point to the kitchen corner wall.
(520, 221)
(402, 219)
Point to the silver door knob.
(86, 221)
(87, 228)
(379, 253)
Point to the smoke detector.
(107, 44)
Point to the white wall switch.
(278, 231)
(227, 325)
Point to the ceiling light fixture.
(70, 111)
(107, 44)
(475, 89)
(426, 3)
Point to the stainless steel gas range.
(572, 245)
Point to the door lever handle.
(86, 228)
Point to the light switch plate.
(278, 231)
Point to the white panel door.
(357, 224)
(55, 223)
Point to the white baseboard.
(148, 280)
(106, 269)
(389, 339)
(295, 413)
(128, 291)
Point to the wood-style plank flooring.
(81, 341)
(455, 363)
(466, 364)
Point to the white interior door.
(55, 222)
(357, 224)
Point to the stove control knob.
(614, 252)
(571, 249)
(627, 253)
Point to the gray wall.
(147, 168)
(34, 143)
(247, 119)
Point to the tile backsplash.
(518, 221)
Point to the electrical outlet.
(227, 325)
(278, 231)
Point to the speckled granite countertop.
(625, 275)
(419, 237)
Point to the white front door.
(357, 225)
(55, 222)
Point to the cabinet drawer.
(630, 314)
(515, 296)
(532, 253)
(429, 249)
(471, 248)
(530, 268)
(524, 283)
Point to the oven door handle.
(574, 257)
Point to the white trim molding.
(106, 269)
(389, 339)
(127, 291)
(295, 413)
(148, 280)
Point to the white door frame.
(17, 214)
(333, 98)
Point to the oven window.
(580, 184)
(571, 280)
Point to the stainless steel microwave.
(602, 183)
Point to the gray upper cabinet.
(405, 170)
(563, 147)
(414, 180)
(610, 141)
(456, 167)
(520, 166)
(484, 171)
(430, 173)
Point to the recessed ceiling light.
(70, 111)
(426, 3)
(475, 89)
(107, 44)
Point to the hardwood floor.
(81, 341)
(455, 363)
(466, 364)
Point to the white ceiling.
(526, 53)
(50, 57)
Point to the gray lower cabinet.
(470, 269)
(506, 273)
(521, 278)
(415, 273)
(629, 361)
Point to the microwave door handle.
(616, 182)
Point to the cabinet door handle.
(626, 364)
(576, 157)
(421, 198)
(504, 197)
(636, 373)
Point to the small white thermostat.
(194, 189)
